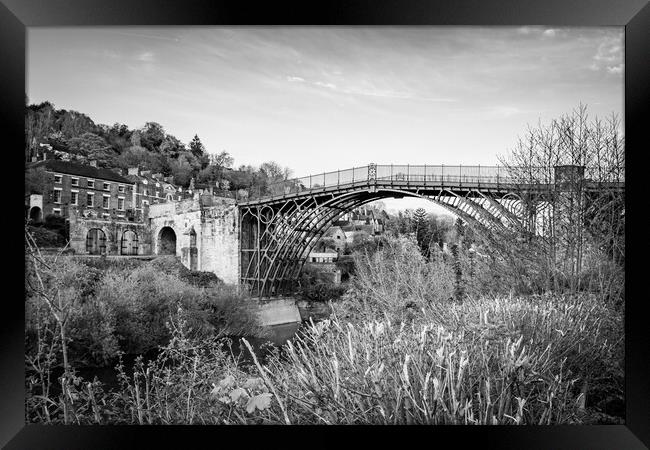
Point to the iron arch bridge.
(279, 229)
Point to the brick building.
(152, 189)
(92, 191)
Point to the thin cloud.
(615, 69)
(146, 57)
(609, 56)
(142, 35)
(379, 93)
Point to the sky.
(318, 99)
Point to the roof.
(72, 168)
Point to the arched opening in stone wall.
(194, 254)
(166, 241)
(129, 243)
(35, 214)
(96, 242)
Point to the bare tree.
(566, 174)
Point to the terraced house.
(151, 189)
(92, 191)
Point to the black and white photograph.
(325, 225)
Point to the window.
(57, 195)
(90, 200)
(120, 204)
(56, 211)
(91, 184)
(105, 201)
(58, 178)
(74, 197)
(74, 181)
(107, 187)
(120, 189)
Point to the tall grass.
(498, 361)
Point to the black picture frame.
(634, 15)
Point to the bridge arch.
(285, 235)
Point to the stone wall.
(326, 272)
(113, 231)
(215, 225)
(277, 312)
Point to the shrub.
(395, 279)
(201, 279)
(106, 264)
(169, 265)
(318, 291)
(145, 298)
(47, 238)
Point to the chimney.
(133, 171)
(145, 173)
(157, 176)
(93, 162)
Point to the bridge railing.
(416, 174)
(386, 173)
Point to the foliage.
(123, 306)
(318, 291)
(396, 279)
(428, 229)
(47, 238)
(407, 355)
(196, 146)
(36, 181)
(191, 381)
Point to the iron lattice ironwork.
(281, 226)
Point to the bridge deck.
(421, 186)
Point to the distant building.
(93, 191)
(363, 219)
(334, 239)
(323, 257)
(321, 265)
(151, 189)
